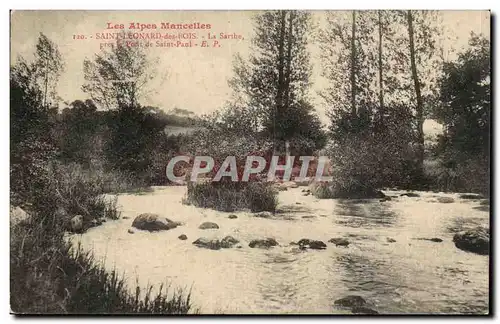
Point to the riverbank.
(388, 261)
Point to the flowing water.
(406, 276)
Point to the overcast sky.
(197, 77)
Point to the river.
(408, 276)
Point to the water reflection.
(364, 213)
(462, 223)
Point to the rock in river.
(153, 222)
(264, 214)
(216, 244)
(206, 243)
(471, 196)
(228, 242)
(312, 244)
(410, 194)
(476, 240)
(208, 225)
(433, 239)
(363, 310)
(445, 200)
(338, 241)
(232, 216)
(263, 244)
(183, 237)
(350, 301)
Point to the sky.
(196, 77)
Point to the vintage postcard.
(250, 162)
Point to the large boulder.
(76, 224)
(475, 240)
(263, 244)
(208, 225)
(153, 222)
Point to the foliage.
(464, 148)
(47, 276)
(271, 88)
(119, 77)
(466, 99)
(80, 133)
(231, 196)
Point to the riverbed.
(387, 262)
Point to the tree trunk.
(46, 83)
(281, 81)
(289, 60)
(420, 117)
(380, 68)
(281, 63)
(353, 64)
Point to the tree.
(49, 66)
(274, 82)
(347, 45)
(119, 77)
(380, 66)
(79, 138)
(353, 65)
(466, 99)
(418, 94)
(31, 142)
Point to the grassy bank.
(49, 276)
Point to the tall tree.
(275, 78)
(347, 45)
(49, 66)
(353, 64)
(31, 140)
(380, 66)
(465, 93)
(119, 77)
(418, 94)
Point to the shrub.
(322, 190)
(366, 154)
(469, 175)
(231, 196)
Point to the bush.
(367, 155)
(231, 196)
(468, 175)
